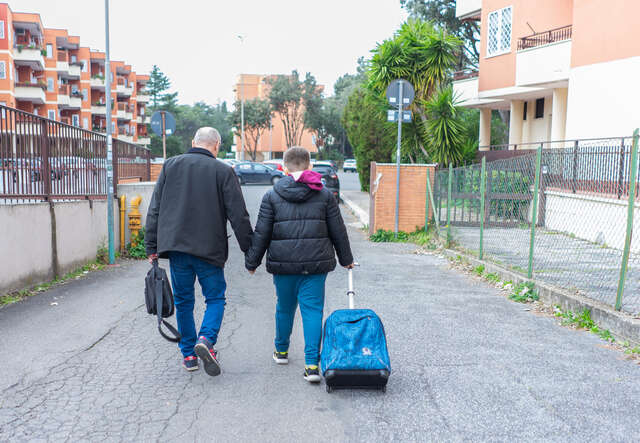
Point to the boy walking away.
(301, 226)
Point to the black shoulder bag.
(159, 299)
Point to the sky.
(195, 42)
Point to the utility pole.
(107, 92)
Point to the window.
(49, 84)
(74, 89)
(75, 119)
(260, 169)
(1, 29)
(52, 114)
(73, 59)
(85, 123)
(499, 35)
(84, 66)
(49, 50)
(540, 108)
(524, 114)
(245, 167)
(3, 70)
(85, 95)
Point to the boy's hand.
(251, 272)
(351, 266)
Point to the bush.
(137, 250)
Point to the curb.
(621, 325)
(360, 213)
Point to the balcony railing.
(544, 38)
(465, 74)
(63, 56)
(63, 90)
(40, 85)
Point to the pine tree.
(158, 83)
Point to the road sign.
(169, 123)
(392, 116)
(393, 93)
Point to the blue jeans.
(308, 291)
(184, 269)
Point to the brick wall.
(413, 193)
(155, 171)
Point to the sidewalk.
(358, 203)
(468, 364)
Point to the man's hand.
(351, 266)
(251, 272)
(152, 257)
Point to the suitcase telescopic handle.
(351, 292)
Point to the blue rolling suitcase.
(354, 348)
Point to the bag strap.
(159, 293)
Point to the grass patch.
(492, 277)
(583, 320)
(136, 249)
(479, 270)
(524, 292)
(418, 237)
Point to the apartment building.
(272, 144)
(565, 69)
(49, 73)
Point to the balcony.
(142, 120)
(62, 64)
(468, 9)
(125, 138)
(99, 109)
(74, 71)
(544, 57)
(63, 96)
(144, 140)
(142, 97)
(29, 56)
(32, 92)
(124, 112)
(465, 86)
(75, 102)
(123, 90)
(97, 82)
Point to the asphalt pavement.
(468, 364)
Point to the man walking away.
(194, 197)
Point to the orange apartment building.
(274, 142)
(565, 69)
(49, 73)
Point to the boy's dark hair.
(296, 159)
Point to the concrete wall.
(132, 190)
(32, 251)
(596, 219)
(413, 193)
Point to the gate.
(507, 197)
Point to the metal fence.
(562, 214)
(42, 159)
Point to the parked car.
(276, 163)
(257, 173)
(329, 178)
(349, 165)
(326, 163)
(230, 161)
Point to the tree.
(257, 115)
(156, 86)
(425, 56)
(443, 14)
(370, 135)
(289, 98)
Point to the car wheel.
(275, 180)
(241, 180)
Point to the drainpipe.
(123, 208)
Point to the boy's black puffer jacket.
(300, 228)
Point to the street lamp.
(241, 37)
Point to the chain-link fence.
(559, 214)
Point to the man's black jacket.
(194, 197)
(300, 227)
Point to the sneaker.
(312, 374)
(204, 350)
(190, 363)
(282, 358)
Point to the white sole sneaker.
(211, 365)
(313, 378)
(280, 360)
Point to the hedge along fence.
(413, 196)
(563, 215)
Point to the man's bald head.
(207, 138)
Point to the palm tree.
(424, 56)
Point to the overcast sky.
(195, 42)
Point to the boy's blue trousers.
(308, 291)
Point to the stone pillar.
(484, 138)
(559, 114)
(515, 123)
